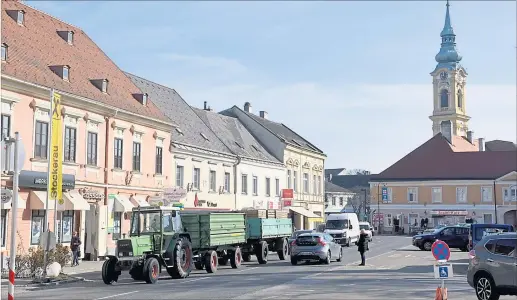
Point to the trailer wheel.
(236, 258)
(151, 270)
(211, 261)
(109, 274)
(182, 260)
(199, 265)
(282, 249)
(246, 257)
(261, 251)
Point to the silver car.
(315, 246)
(492, 269)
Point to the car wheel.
(427, 246)
(340, 255)
(485, 288)
(327, 259)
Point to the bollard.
(441, 293)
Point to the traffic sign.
(7, 195)
(443, 271)
(441, 251)
(7, 155)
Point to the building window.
(315, 184)
(319, 185)
(197, 177)
(70, 37)
(227, 182)
(341, 201)
(487, 218)
(38, 217)
(179, 176)
(436, 195)
(306, 183)
(40, 140)
(212, 179)
(6, 126)
(137, 148)
(91, 149)
(70, 142)
(118, 153)
(288, 179)
(295, 183)
(412, 194)
(117, 225)
(20, 18)
(244, 187)
(510, 194)
(67, 226)
(277, 187)
(333, 201)
(486, 194)
(66, 73)
(460, 99)
(4, 227)
(158, 167)
(4, 52)
(255, 186)
(444, 99)
(268, 187)
(461, 194)
(104, 86)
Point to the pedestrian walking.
(74, 246)
(362, 246)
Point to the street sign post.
(442, 270)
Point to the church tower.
(449, 81)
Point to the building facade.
(304, 174)
(336, 197)
(115, 140)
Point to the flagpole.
(46, 223)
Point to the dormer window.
(104, 86)
(4, 52)
(142, 98)
(101, 84)
(70, 37)
(66, 72)
(20, 17)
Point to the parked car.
(454, 236)
(367, 228)
(478, 231)
(315, 246)
(293, 237)
(493, 266)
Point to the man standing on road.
(362, 246)
(74, 246)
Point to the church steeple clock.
(449, 82)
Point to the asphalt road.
(227, 283)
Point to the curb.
(41, 285)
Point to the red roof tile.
(35, 46)
(435, 160)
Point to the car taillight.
(321, 241)
(472, 254)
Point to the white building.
(336, 197)
(304, 162)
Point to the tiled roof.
(498, 145)
(333, 188)
(36, 46)
(280, 130)
(435, 160)
(352, 181)
(461, 144)
(188, 122)
(333, 172)
(235, 136)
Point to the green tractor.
(156, 240)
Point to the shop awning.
(21, 203)
(302, 211)
(122, 204)
(38, 199)
(74, 201)
(139, 200)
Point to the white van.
(343, 227)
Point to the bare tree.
(357, 172)
(358, 201)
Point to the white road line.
(113, 296)
(247, 269)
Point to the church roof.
(448, 56)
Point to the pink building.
(116, 141)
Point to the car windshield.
(297, 233)
(484, 231)
(336, 224)
(365, 227)
(147, 222)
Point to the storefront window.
(117, 220)
(38, 217)
(4, 227)
(67, 226)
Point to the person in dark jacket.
(74, 246)
(362, 246)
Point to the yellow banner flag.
(55, 187)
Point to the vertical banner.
(55, 187)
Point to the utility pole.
(14, 216)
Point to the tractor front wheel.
(151, 270)
(109, 272)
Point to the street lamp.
(365, 201)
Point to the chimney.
(470, 136)
(204, 105)
(263, 114)
(446, 130)
(247, 107)
(330, 177)
(481, 142)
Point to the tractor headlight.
(130, 253)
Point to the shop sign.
(91, 194)
(174, 194)
(38, 180)
(449, 213)
(287, 194)
(287, 203)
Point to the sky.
(350, 77)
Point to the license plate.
(305, 253)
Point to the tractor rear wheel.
(182, 259)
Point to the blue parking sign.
(444, 272)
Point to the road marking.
(247, 269)
(113, 296)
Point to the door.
(504, 262)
